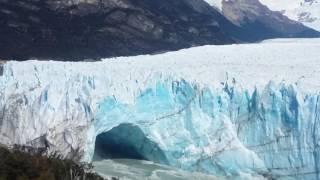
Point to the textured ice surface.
(238, 110)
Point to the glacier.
(249, 110)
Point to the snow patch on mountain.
(282, 5)
(304, 11)
(215, 3)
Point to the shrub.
(18, 165)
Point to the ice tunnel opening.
(127, 141)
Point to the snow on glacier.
(250, 109)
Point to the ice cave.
(127, 141)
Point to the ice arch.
(127, 141)
(227, 131)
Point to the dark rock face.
(77, 30)
(258, 22)
(92, 29)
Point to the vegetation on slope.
(18, 165)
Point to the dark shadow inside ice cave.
(127, 141)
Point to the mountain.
(304, 11)
(258, 21)
(250, 110)
(77, 30)
(93, 29)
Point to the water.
(131, 169)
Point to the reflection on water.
(131, 169)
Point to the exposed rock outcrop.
(257, 21)
(90, 29)
(78, 30)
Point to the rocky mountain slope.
(258, 21)
(93, 29)
(304, 11)
(75, 30)
(250, 110)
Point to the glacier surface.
(248, 110)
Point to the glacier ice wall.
(248, 116)
(272, 132)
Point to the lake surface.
(130, 169)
